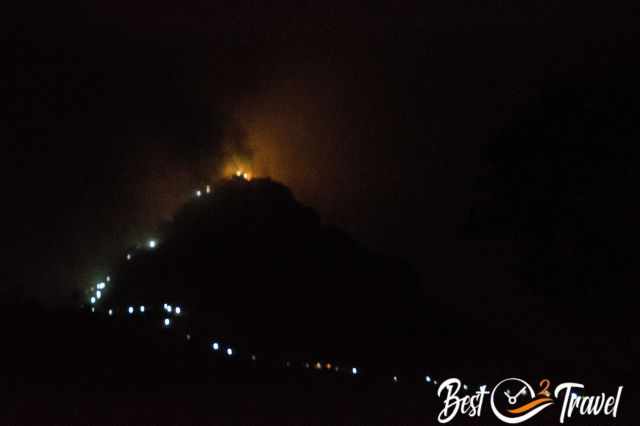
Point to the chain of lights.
(170, 312)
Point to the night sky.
(378, 117)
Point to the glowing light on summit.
(242, 174)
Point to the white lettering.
(569, 403)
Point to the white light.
(435, 382)
(188, 336)
(253, 357)
(101, 286)
(229, 351)
(198, 193)
(108, 278)
(152, 244)
(168, 308)
(178, 310)
(93, 300)
(215, 346)
(354, 371)
(110, 312)
(428, 379)
(98, 294)
(167, 322)
(465, 387)
(93, 309)
(395, 379)
(208, 189)
(128, 256)
(130, 309)
(142, 308)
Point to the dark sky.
(375, 116)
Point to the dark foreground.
(73, 368)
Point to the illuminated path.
(171, 313)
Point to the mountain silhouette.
(250, 263)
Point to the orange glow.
(242, 173)
(287, 133)
(530, 406)
(236, 164)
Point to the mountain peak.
(247, 249)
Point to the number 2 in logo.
(544, 386)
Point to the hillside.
(249, 250)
